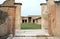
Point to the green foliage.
(30, 26)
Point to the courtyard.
(30, 26)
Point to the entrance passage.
(29, 19)
(33, 21)
(24, 21)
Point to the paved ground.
(31, 32)
(27, 34)
(29, 38)
(35, 38)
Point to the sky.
(29, 7)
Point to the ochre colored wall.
(57, 27)
(51, 11)
(6, 30)
(11, 12)
(18, 17)
(54, 18)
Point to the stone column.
(24, 21)
(31, 20)
(36, 21)
(27, 20)
(42, 23)
(18, 16)
(44, 15)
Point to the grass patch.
(30, 26)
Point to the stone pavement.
(35, 38)
(24, 37)
(32, 34)
(37, 32)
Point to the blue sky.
(29, 7)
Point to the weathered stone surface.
(44, 15)
(8, 3)
(5, 20)
(3, 16)
(54, 17)
(10, 11)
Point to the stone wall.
(14, 14)
(9, 7)
(57, 27)
(54, 20)
(44, 20)
(18, 16)
(8, 3)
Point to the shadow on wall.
(3, 16)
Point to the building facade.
(31, 19)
